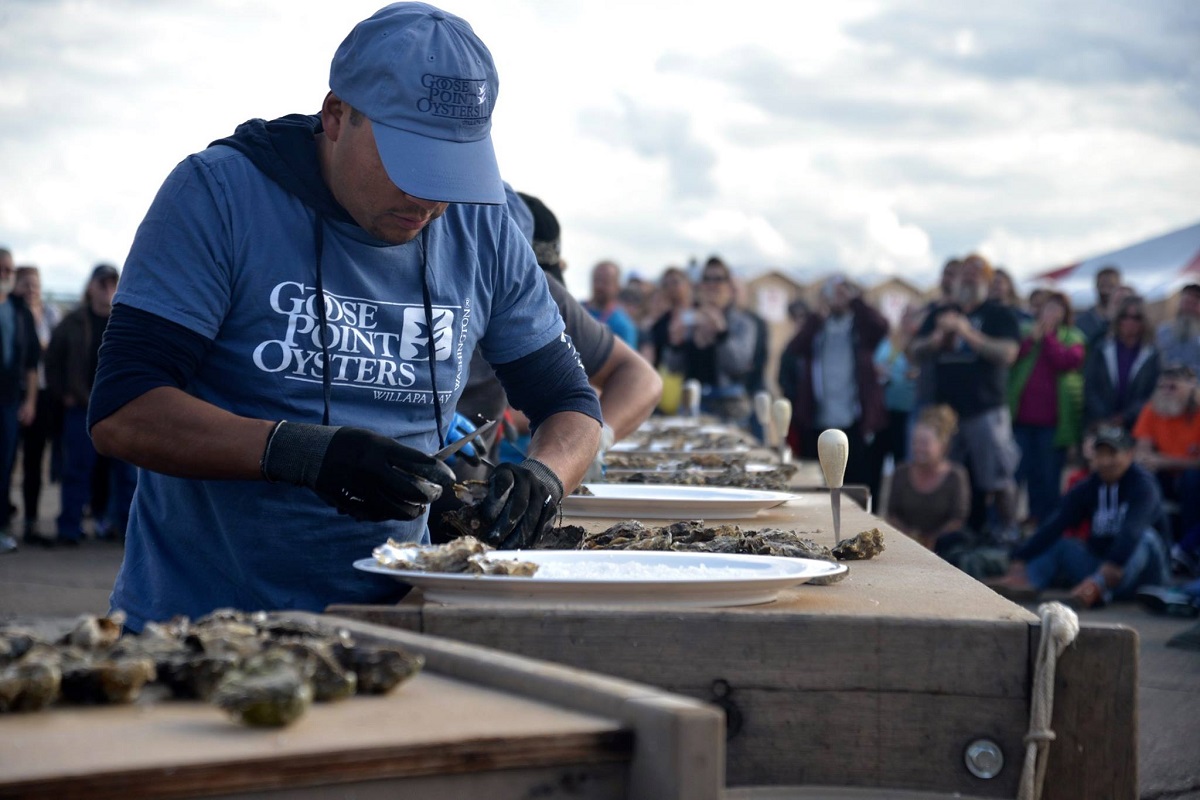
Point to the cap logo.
(464, 99)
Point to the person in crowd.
(899, 378)
(636, 297)
(840, 388)
(72, 356)
(973, 342)
(930, 495)
(1037, 298)
(1167, 433)
(47, 417)
(20, 354)
(1120, 369)
(1123, 551)
(719, 347)
(669, 346)
(605, 303)
(1094, 322)
(926, 385)
(756, 379)
(1003, 291)
(371, 238)
(1045, 397)
(792, 363)
(1178, 340)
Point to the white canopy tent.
(1156, 268)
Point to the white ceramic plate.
(621, 577)
(666, 501)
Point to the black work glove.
(360, 473)
(522, 501)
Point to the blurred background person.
(972, 342)
(605, 303)
(1045, 397)
(899, 379)
(930, 496)
(671, 336)
(1120, 369)
(1167, 433)
(71, 359)
(19, 357)
(840, 388)
(43, 429)
(1178, 339)
(720, 347)
(1094, 322)
(1003, 291)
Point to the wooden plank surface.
(1095, 717)
(430, 725)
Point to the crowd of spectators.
(48, 366)
(1030, 444)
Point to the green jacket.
(1069, 430)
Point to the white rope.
(1060, 626)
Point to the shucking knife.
(459, 444)
(834, 450)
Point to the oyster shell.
(453, 556)
(271, 689)
(866, 544)
(379, 668)
(29, 685)
(91, 680)
(481, 565)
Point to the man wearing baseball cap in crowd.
(1124, 550)
(294, 327)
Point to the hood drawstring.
(437, 400)
(326, 379)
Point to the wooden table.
(882, 680)
(473, 723)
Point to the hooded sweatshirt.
(225, 269)
(1119, 514)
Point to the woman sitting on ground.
(930, 496)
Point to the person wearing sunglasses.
(1120, 369)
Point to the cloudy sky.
(874, 136)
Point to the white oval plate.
(667, 501)
(618, 577)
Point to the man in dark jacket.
(71, 359)
(1123, 551)
(19, 357)
(839, 388)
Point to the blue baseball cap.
(428, 85)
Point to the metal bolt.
(984, 758)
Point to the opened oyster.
(465, 554)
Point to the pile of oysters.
(263, 671)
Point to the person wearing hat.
(970, 343)
(1123, 551)
(71, 361)
(20, 353)
(294, 330)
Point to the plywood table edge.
(691, 731)
(310, 770)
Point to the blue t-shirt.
(228, 254)
(619, 322)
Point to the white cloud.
(875, 135)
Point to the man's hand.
(522, 501)
(370, 477)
